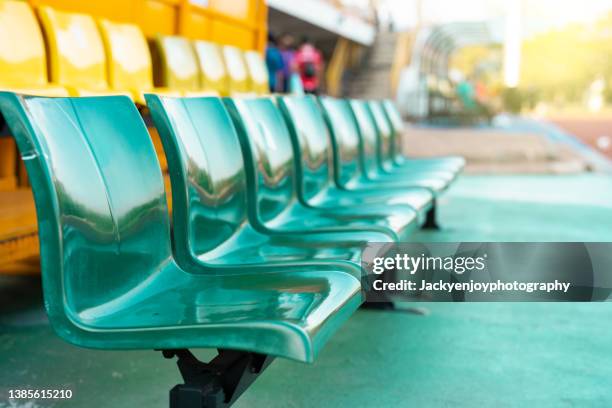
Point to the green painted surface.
(526, 208)
(468, 355)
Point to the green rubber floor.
(445, 355)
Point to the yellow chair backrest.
(257, 71)
(129, 59)
(76, 51)
(179, 66)
(23, 61)
(236, 69)
(212, 67)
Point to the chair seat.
(447, 163)
(42, 90)
(397, 221)
(249, 247)
(391, 173)
(447, 173)
(281, 313)
(393, 176)
(435, 185)
(420, 199)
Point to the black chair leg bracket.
(431, 222)
(218, 383)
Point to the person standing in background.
(467, 95)
(309, 64)
(287, 48)
(274, 63)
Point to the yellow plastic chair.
(257, 72)
(236, 70)
(179, 69)
(213, 72)
(76, 52)
(23, 61)
(129, 60)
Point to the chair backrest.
(268, 154)
(257, 72)
(296, 87)
(23, 62)
(369, 147)
(76, 51)
(385, 132)
(312, 144)
(397, 125)
(129, 58)
(100, 201)
(213, 73)
(345, 138)
(206, 171)
(178, 63)
(236, 69)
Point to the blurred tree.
(561, 65)
(478, 58)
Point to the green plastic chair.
(396, 130)
(209, 191)
(372, 124)
(351, 172)
(109, 277)
(349, 157)
(295, 84)
(269, 157)
(314, 156)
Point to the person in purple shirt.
(287, 49)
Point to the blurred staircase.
(373, 79)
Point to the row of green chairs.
(273, 200)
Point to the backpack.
(309, 70)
